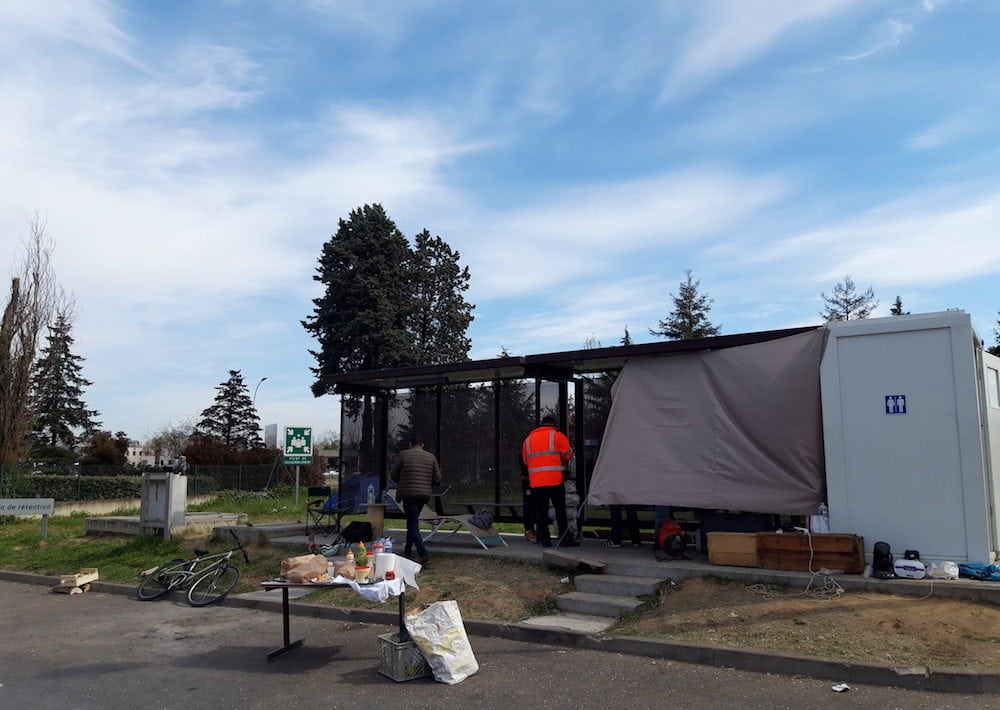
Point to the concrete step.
(577, 623)
(611, 605)
(651, 568)
(617, 585)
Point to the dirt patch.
(882, 628)
(486, 589)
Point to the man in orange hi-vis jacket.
(545, 452)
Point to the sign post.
(30, 506)
(298, 450)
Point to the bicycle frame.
(184, 573)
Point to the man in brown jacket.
(415, 472)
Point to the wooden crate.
(734, 549)
(791, 551)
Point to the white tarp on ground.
(739, 429)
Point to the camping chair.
(322, 510)
(436, 520)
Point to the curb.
(931, 679)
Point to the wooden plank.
(570, 561)
(84, 576)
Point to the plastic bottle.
(350, 556)
(371, 493)
(387, 547)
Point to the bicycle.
(208, 578)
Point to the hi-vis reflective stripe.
(552, 451)
(552, 447)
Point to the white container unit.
(911, 423)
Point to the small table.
(285, 585)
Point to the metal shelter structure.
(473, 415)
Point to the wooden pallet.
(791, 551)
(77, 583)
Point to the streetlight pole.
(254, 402)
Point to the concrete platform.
(194, 523)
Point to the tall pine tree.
(441, 316)
(360, 320)
(62, 419)
(689, 319)
(846, 303)
(232, 420)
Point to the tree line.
(386, 302)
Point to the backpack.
(882, 564)
(358, 531)
(670, 543)
(482, 519)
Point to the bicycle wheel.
(213, 586)
(162, 580)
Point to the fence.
(110, 482)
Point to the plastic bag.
(440, 635)
(942, 570)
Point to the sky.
(190, 158)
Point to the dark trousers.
(412, 508)
(528, 502)
(633, 524)
(544, 497)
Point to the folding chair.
(436, 520)
(322, 510)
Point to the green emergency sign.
(298, 445)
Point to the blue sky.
(191, 158)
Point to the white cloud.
(891, 36)
(573, 233)
(731, 33)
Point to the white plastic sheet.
(440, 635)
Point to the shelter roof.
(558, 366)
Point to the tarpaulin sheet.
(739, 428)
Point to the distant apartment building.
(144, 456)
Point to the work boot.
(530, 536)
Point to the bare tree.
(34, 296)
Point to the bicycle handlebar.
(239, 544)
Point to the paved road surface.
(108, 651)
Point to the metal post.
(297, 467)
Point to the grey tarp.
(737, 429)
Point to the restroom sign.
(895, 404)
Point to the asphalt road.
(108, 651)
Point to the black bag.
(482, 519)
(882, 567)
(358, 531)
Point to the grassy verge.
(484, 588)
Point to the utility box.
(911, 423)
(162, 503)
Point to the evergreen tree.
(689, 319)
(360, 320)
(61, 416)
(441, 315)
(897, 308)
(232, 420)
(626, 339)
(845, 303)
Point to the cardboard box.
(400, 660)
(733, 549)
(810, 553)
